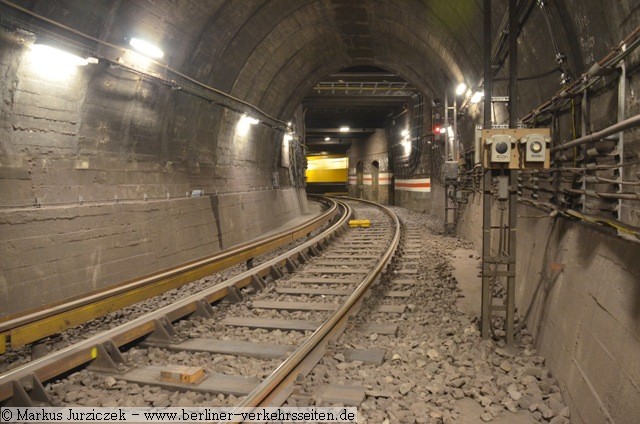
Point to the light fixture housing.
(146, 48)
(477, 97)
(53, 63)
(57, 56)
(461, 88)
(406, 144)
(244, 124)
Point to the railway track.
(19, 330)
(243, 342)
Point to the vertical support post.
(447, 150)
(622, 94)
(511, 266)
(485, 321)
(488, 71)
(454, 142)
(513, 64)
(584, 128)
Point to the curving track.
(251, 335)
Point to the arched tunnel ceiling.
(271, 53)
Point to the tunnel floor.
(438, 368)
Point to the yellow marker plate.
(362, 223)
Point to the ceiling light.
(244, 124)
(146, 48)
(461, 88)
(54, 63)
(344, 129)
(289, 124)
(443, 130)
(327, 138)
(404, 133)
(407, 147)
(56, 56)
(477, 96)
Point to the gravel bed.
(438, 359)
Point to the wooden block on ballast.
(182, 374)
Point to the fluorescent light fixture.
(146, 48)
(404, 133)
(477, 96)
(407, 147)
(53, 63)
(244, 124)
(327, 138)
(461, 88)
(344, 129)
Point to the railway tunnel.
(142, 139)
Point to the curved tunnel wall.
(113, 133)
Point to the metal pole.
(584, 128)
(622, 98)
(486, 182)
(488, 72)
(447, 151)
(513, 174)
(513, 64)
(455, 152)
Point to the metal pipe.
(616, 128)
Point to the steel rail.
(287, 371)
(81, 353)
(18, 331)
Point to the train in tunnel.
(148, 147)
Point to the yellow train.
(327, 174)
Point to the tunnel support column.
(507, 194)
(485, 322)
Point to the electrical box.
(515, 148)
(535, 146)
(500, 147)
(450, 172)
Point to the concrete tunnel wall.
(579, 289)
